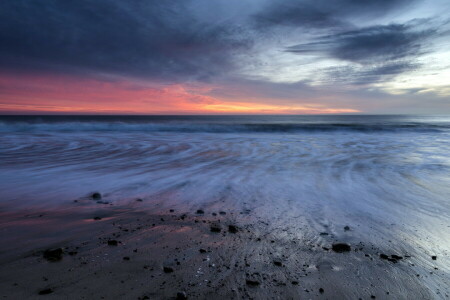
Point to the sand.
(146, 249)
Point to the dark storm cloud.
(322, 14)
(379, 52)
(159, 39)
(370, 44)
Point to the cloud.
(158, 39)
(320, 14)
(369, 44)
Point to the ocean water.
(388, 177)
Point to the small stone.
(434, 257)
(321, 290)
(126, 258)
(278, 262)
(112, 243)
(215, 228)
(168, 269)
(384, 256)
(171, 210)
(295, 282)
(323, 233)
(202, 251)
(396, 257)
(200, 211)
(97, 218)
(232, 229)
(45, 291)
(341, 247)
(347, 228)
(181, 295)
(139, 200)
(252, 282)
(53, 254)
(222, 213)
(96, 196)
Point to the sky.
(225, 57)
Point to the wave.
(6, 127)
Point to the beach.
(330, 207)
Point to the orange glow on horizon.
(40, 94)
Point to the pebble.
(53, 254)
(112, 243)
(215, 228)
(341, 247)
(181, 295)
(45, 291)
(252, 282)
(232, 228)
(96, 196)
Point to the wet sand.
(157, 249)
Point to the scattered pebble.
(112, 243)
(232, 228)
(215, 228)
(168, 269)
(53, 254)
(96, 196)
(341, 247)
(252, 282)
(181, 295)
(434, 257)
(200, 211)
(45, 291)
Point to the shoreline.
(161, 252)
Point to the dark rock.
(347, 228)
(45, 291)
(222, 213)
(321, 290)
(278, 262)
(384, 256)
(97, 218)
(126, 258)
(171, 210)
(295, 282)
(202, 251)
(112, 243)
(53, 254)
(341, 247)
(252, 282)
(232, 228)
(139, 200)
(434, 257)
(396, 257)
(72, 253)
(96, 196)
(323, 233)
(215, 228)
(181, 296)
(168, 269)
(200, 211)
(214, 214)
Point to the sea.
(386, 176)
